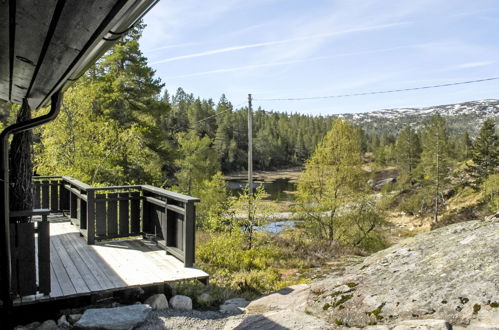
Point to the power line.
(376, 92)
(216, 114)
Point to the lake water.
(278, 190)
(277, 227)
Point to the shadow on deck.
(79, 269)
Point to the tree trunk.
(21, 166)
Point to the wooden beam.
(77, 24)
(32, 24)
(4, 50)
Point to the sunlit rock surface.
(451, 274)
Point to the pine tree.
(484, 154)
(465, 146)
(198, 162)
(331, 179)
(435, 158)
(408, 152)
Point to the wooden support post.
(90, 217)
(73, 206)
(189, 233)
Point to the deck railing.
(123, 211)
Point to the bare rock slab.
(157, 301)
(291, 298)
(117, 318)
(277, 320)
(450, 273)
(428, 324)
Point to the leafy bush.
(415, 203)
(232, 264)
(490, 188)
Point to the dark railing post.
(64, 196)
(189, 233)
(90, 216)
(73, 205)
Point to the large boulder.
(181, 302)
(382, 183)
(234, 305)
(157, 301)
(451, 274)
(48, 325)
(117, 318)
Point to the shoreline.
(291, 173)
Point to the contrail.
(276, 42)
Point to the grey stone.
(157, 301)
(427, 324)
(48, 325)
(122, 318)
(33, 325)
(63, 322)
(181, 302)
(204, 298)
(441, 274)
(73, 318)
(234, 305)
(282, 319)
(380, 184)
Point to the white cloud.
(474, 64)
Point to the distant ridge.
(460, 117)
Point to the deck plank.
(151, 264)
(104, 278)
(160, 263)
(79, 269)
(129, 261)
(79, 262)
(60, 272)
(115, 281)
(73, 273)
(55, 287)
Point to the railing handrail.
(124, 211)
(160, 191)
(170, 194)
(138, 187)
(80, 185)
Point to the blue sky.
(280, 49)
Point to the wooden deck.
(79, 269)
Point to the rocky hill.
(460, 117)
(444, 279)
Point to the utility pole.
(251, 219)
(250, 147)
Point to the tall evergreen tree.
(484, 154)
(435, 159)
(408, 151)
(464, 146)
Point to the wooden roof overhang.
(44, 44)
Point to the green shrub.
(416, 203)
(490, 188)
